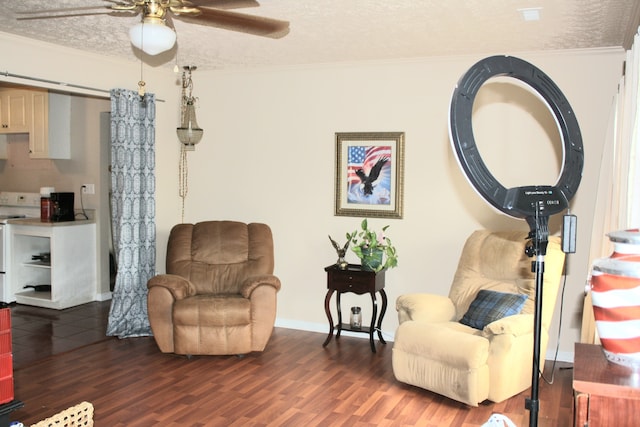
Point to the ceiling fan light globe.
(152, 37)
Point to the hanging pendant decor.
(189, 133)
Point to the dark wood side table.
(358, 281)
(605, 394)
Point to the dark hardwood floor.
(38, 333)
(62, 358)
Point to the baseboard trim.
(104, 296)
(563, 356)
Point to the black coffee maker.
(62, 207)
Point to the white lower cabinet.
(70, 271)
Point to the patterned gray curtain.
(132, 210)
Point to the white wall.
(268, 154)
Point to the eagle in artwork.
(370, 181)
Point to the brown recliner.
(219, 294)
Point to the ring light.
(535, 203)
(527, 201)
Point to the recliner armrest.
(425, 307)
(179, 287)
(517, 325)
(253, 282)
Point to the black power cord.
(84, 212)
(555, 356)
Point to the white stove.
(4, 218)
(13, 205)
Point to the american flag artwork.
(363, 158)
(615, 294)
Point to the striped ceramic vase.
(615, 292)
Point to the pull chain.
(183, 175)
(141, 83)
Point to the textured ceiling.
(328, 31)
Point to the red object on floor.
(6, 357)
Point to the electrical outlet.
(88, 189)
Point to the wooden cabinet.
(45, 116)
(605, 394)
(38, 135)
(15, 115)
(70, 271)
(50, 133)
(15, 105)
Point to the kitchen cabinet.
(15, 115)
(45, 116)
(15, 105)
(70, 269)
(50, 133)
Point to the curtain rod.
(56, 84)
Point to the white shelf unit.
(71, 271)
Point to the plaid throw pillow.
(490, 306)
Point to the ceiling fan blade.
(66, 9)
(225, 4)
(71, 15)
(250, 24)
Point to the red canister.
(46, 209)
(46, 204)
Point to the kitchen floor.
(38, 333)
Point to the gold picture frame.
(369, 174)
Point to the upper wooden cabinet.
(44, 115)
(15, 106)
(50, 134)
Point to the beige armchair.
(435, 351)
(219, 294)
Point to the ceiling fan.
(156, 33)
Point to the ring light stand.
(535, 203)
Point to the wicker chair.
(80, 415)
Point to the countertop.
(37, 222)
